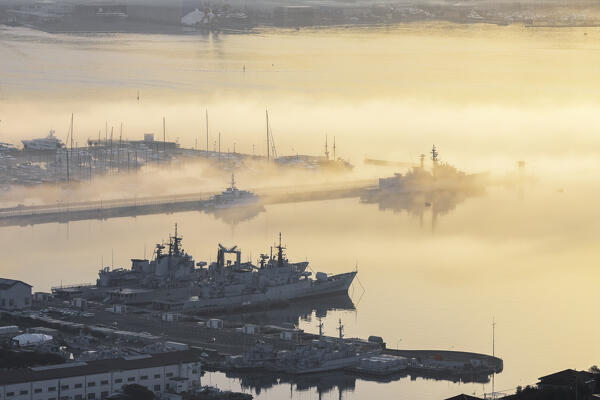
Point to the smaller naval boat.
(320, 355)
(232, 197)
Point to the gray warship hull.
(173, 281)
(302, 289)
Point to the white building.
(214, 323)
(32, 339)
(172, 372)
(250, 329)
(14, 295)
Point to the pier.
(139, 325)
(63, 212)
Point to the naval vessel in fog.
(442, 177)
(173, 281)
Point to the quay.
(217, 339)
(131, 207)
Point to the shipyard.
(291, 199)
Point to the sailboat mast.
(207, 132)
(493, 355)
(71, 133)
(67, 147)
(268, 154)
(119, 148)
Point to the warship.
(232, 197)
(173, 281)
(442, 176)
(320, 355)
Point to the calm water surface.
(513, 255)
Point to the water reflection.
(233, 216)
(322, 382)
(418, 204)
(293, 313)
(340, 381)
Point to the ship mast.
(320, 326)
(175, 244)
(280, 249)
(326, 149)
(334, 149)
(434, 155)
(340, 328)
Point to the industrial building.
(172, 372)
(14, 295)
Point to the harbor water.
(428, 283)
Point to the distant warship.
(442, 176)
(173, 281)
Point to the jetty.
(62, 212)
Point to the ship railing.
(77, 285)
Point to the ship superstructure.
(232, 197)
(171, 269)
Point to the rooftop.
(8, 283)
(464, 397)
(97, 367)
(566, 377)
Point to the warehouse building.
(172, 372)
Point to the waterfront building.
(14, 295)
(172, 372)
